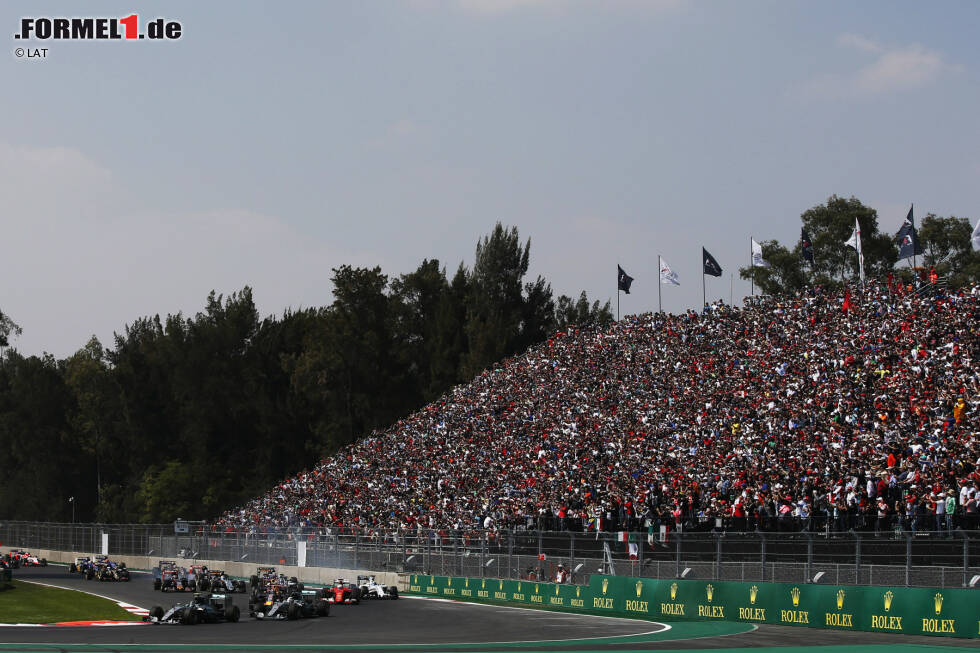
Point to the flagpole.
(912, 232)
(704, 297)
(660, 282)
(731, 289)
(751, 267)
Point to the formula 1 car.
(205, 608)
(94, 565)
(196, 577)
(80, 564)
(280, 604)
(170, 578)
(31, 560)
(344, 592)
(111, 571)
(218, 581)
(262, 578)
(371, 589)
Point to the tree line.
(188, 416)
(945, 243)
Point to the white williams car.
(371, 589)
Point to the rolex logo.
(795, 593)
(840, 599)
(888, 600)
(673, 591)
(605, 585)
(938, 600)
(639, 588)
(710, 591)
(753, 593)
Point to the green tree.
(947, 246)
(580, 313)
(7, 328)
(830, 225)
(787, 271)
(496, 303)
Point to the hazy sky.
(275, 141)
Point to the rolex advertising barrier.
(911, 611)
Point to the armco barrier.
(910, 611)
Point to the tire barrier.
(910, 611)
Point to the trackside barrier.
(910, 611)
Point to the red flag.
(847, 301)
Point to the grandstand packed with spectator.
(789, 413)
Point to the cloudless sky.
(275, 141)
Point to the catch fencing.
(896, 558)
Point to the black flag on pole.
(624, 280)
(806, 246)
(710, 264)
(908, 239)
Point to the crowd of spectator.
(788, 413)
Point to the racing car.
(371, 589)
(196, 575)
(168, 577)
(261, 578)
(31, 560)
(97, 563)
(110, 570)
(80, 564)
(344, 592)
(218, 581)
(204, 608)
(280, 603)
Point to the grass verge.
(26, 603)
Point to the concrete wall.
(308, 575)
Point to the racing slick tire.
(72, 568)
(157, 584)
(292, 612)
(204, 585)
(254, 580)
(355, 596)
(44, 562)
(322, 609)
(234, 615)
(89, 575)
(189, 618)
(394, 593)
(156, 611)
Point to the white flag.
(757, 260)
(975, 239)
(667, 275)
(855, 242)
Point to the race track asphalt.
(412, 624)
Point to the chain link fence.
(898, 558)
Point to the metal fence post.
(809, 557)
(677, 538)
(717, 556)
(357, 546)
(571, 551)
(510, 553)
(966, 557)
(857, 557)
(763, 561)
(908, 558)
